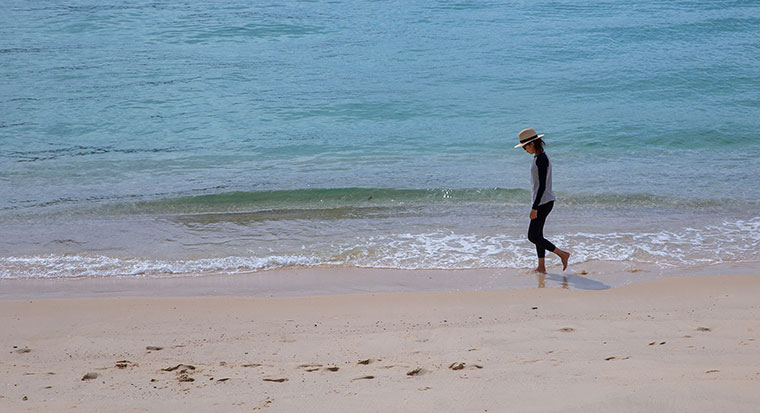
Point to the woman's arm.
(542, 163)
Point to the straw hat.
(527, 136)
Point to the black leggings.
(536, 230)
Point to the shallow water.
(165, 139)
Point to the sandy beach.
(672, 344)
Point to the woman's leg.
(536, 236)
(536, 230)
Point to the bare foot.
(541, 270)
(564, 256)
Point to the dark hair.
(538, 145)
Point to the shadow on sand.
(570, 280)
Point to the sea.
(176, 138)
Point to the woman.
(543, 197)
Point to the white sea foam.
(728, 242)
(67, 266)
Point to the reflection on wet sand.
(580, 283)
(542, 280)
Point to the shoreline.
(676, 343)
(151, 247)
(315, 281)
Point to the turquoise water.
(171, 138)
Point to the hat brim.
(520, 145)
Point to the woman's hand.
(533, 214)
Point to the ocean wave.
(303, 203)
(736, 241)
(74, 266)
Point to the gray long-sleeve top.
(541, 180)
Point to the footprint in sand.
(90, 376)
(182, 371)
(256, 365)
(182, 367)
(703, 329)
(310, 367)
(567, 329)
(456, 366)
(281, 380)
(363, 378)
(462, 365)
(184, 377)
(316, 367)
(123, 364)
(416, 372)
(264, 404)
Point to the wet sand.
(310, 281)
(673, 344)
